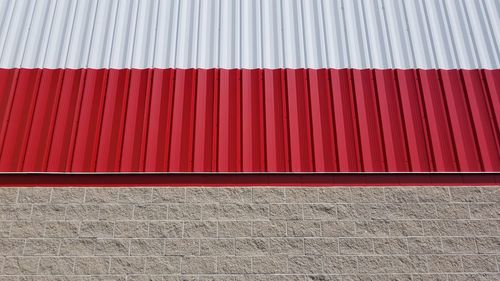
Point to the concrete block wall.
(261, 233)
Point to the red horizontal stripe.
(214, 180)
(215, 120)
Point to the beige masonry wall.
(379, 233)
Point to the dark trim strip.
(15, 180)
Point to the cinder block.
(235, 228)
(135, 195)
(321, 246)
(251, 246)
(301, 195)
(194, 229)
(452, 211)
(410, 264)
(82, 212)
(405, 228)
(376, 228)
(338, 228)
(301, 228)
(166, 229)
(235, 195)
(169, 195)
(479, 263)
(34, 195)
(401, 194)
(485, 210)
(202, 195)
(390, 246)
(67, 195)
(20, 265)
(41, 247)
(356, 246)
(340, 264)
(466, 194)
(368, 211)
(27, 229)
(182, 247)
(11, 247)
(242, 234)
(146, 247)
(5, 227)
(56, 266)
(8, 195)
(116, 212)
(286, 212)
(367, 195)
(112, 247)
(101, 195)
(305, 264)
(445, 263)
(411, 211)
(58, 229)
(91, 265)
(425, 245)
(268, 195)
(217, 247)
(375, 264)
(243, 211)
(97, 229)
(320, 211)
(234, 265)
(131, 229)
(77, 247)
(488, 245)
(15, 212)
(286, 246)
(147, 212)
(276, 228)
(198, 265)
(48, 212)
(465, 245)
(126, 265)
(163, 265)
(335, 195)
(184, 212)
(269, 265)
(435, 194)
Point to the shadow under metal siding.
(301, 120)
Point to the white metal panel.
(250, 34)
(272, 39)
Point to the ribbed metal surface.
(427, 34)
(303, 120)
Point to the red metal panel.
(216, 120)
(17, 129)
(253, 137)
(345, 121)
(158, 141)
(389, 101)
(42, 125)
(299, 123)
(276, 125)
(113, 121)
(204, 151)
(415, 125)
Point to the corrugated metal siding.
(249, 86)
(426, 34)
(303, 120)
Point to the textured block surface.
(261, 233)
